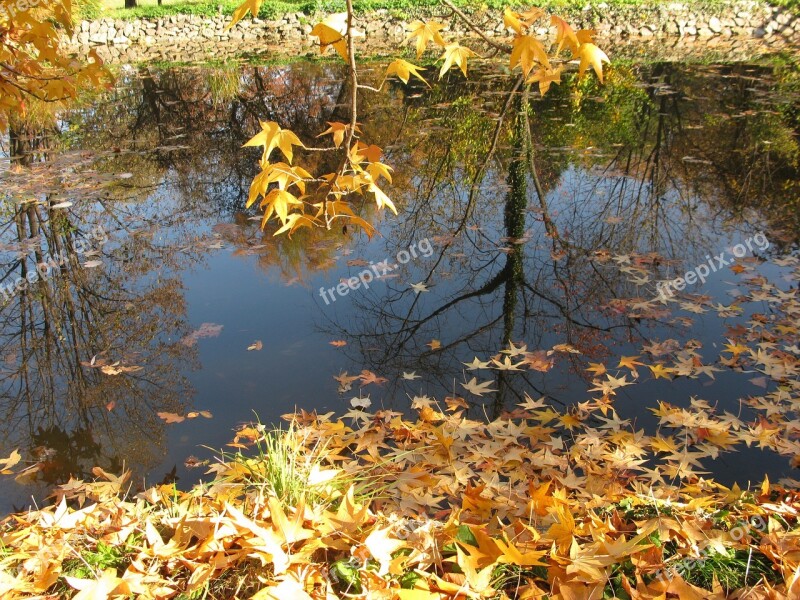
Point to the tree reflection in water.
(524, 199)
(632, 168)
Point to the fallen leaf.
(171, 417)
(206, 330)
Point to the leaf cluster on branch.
(297, 198)
(34, 65)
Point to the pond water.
(169, 318)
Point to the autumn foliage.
(33, 63)
(435, 504)
(297, 198)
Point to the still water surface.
(177, 303)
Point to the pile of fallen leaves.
(438, 507)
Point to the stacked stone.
(185, 35)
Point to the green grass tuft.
(734, 570)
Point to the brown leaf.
(171, 417)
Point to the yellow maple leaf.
(520, 21)
(479, 580)
(404, 69)
(272, 136)
(591, 55)
(340, 209)
(104, 586)
(425, 33)
(337, 130)
(282, 174)
(332, 32)
(278, 201)
(290, 529)
(381, 199)
(378, 170)
(660, 371)
(561, 532)
(511, 20)
(381, 547)
(513, 556)
(251, 6)
(564, 34)
(455, 54)
(7, 463)
(527, 51)
(545, 77)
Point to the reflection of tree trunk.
(25, 141)
(51, 328)
(514, 220)
(131, 3)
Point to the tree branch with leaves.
(297, 198)
(34, 66)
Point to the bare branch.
(475, 28)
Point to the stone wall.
(189, 37)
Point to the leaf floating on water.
(360, 402)
(66, 204)
(192, 462)
(455, 402)
(434, 344)
(171, 417)
(419, 287)
(368, 377)
(338, 343)
(568, 348)
(479, 389)
(198, 413)
(410, 376)
(110, 406)
(357, 262)
(91, 264)
(476, 364)
(7, 463)
(124, 175)
(699, 161)
(206, 330)
(257, 345)
(345, 381)
(117, 369)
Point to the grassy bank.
(273, 8)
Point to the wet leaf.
(171, 417)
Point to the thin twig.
(475, 28)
